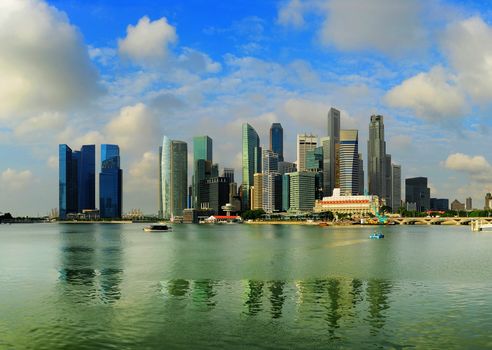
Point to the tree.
(385, 209)
(253, 214)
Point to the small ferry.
(157, 228)
(376, 236)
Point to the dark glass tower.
(110, 182)
(77, 179)
(277, 140)
(86, 169)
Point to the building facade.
(110, 182)
(395, 187)
(251, 159)
(456, 205)
(349, 162)
(439, 204)
(376, 158)
(202, 151)
(257, 201)
(416, 191)
(305, 143)
(361, 175)
(302, 191)
(344, 204)
(277, 140)
(77, 179)
(469, 205)
(331, 145)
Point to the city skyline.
(262, 62)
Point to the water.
(243, 286)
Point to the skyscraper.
(468, 205)
(349, 162)
(331, 144)
(277, 140)
(395, 187)
(173, 177)
(202, 148)
(361, 175)
(110, 182)
(229, 173)
(77, 179)
(376, 158)
(272, 183)
(302, 191)
(305, 143)
(251, 158)
(416, 191)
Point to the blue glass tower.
(77, 179)
(86, 170)
(277, 140)
(110, 182)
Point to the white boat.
(157, 228)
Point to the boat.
(376, 236)
(157, 228)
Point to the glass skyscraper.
(110, 182)
(378, 162)
(349, 162)
(251, 160)
(202, 153)
(277, 140)
(331, 149)
(77, 183)
(173, 178)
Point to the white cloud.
(144, 171)
(432, 95)
(136, 129)
(474, 165)
(13, 180)
(44, 64)
(196, 61)
(37, 128)
(291, 13)
(148, 41)
(468, 47)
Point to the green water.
(244, 286)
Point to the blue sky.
(128, 72)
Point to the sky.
(129, 72)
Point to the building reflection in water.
(377, 295)
(253, 303)
(91, 263)
(277, 298)
(203, 293)
(178, 287)
(334, 312)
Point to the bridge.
(438, 221)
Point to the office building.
(286, 167)
(285, 192)
(377, 161)
(314, 159)
(173, 178)
(361, 175)
(349, 162)
(218, 193)
(257, 201)
(272, 192)
(388, 198)
(395, 187)
(302, 191)
(305, 143)
(277, 140)
(469, 205)
(456, 205)
(270, 162)
(110, 182)
(202, 160)
(251, 159)
(416, 191)
(229, 173)
(331, 144)
(439, 204)
(488, 201)
(77, 179)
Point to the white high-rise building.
(349, 162)
(305, 143)
(271, 183)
